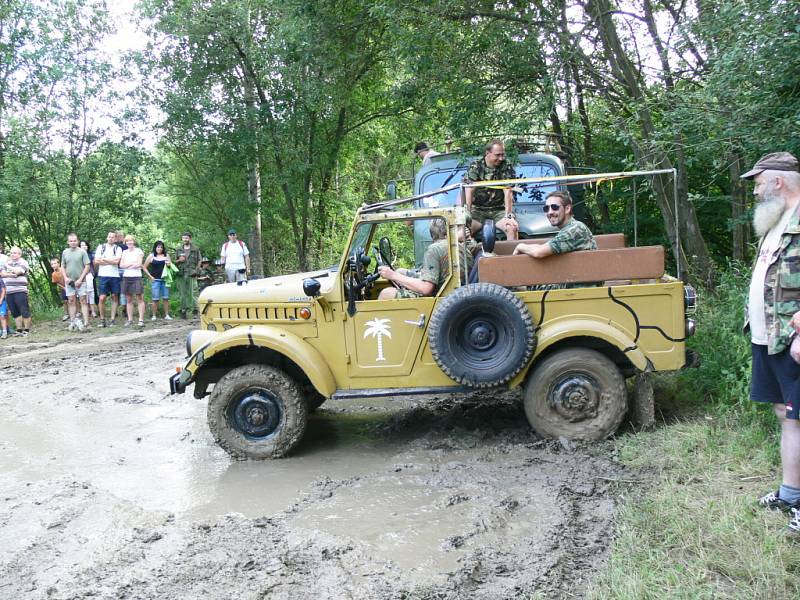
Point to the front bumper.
(176, 386)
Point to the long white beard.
(768, 212)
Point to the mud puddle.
(112, 488)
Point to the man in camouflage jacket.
(187, 259)
(435, 267)
(572, 234)
(773, 316)
(496, 203)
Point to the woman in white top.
(131, 265)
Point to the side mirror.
(391, 190)
(385, 250)
(311, 287)
(488, 236)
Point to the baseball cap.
(420, 147)
(775, 161)
(204, 260)
(231, 231)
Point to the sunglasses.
(551, 207)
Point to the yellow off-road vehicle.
(272, 350)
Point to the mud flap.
(641, 401)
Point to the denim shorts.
(108, 286)
(3, 308)
(159, 290)
(776, 380)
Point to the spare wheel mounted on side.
(481, 335)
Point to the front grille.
(255, 313)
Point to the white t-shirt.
(131, 257)
(108, 251)
(233, 254)
(427, 160)
(755, 306)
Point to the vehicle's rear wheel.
(481, 335)
(576, 393)
(257, 412)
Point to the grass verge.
(695, 531)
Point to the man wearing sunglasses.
(572, 234)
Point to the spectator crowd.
(106, 284)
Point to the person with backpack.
(236, 258)
(106, 259)
(187, 259)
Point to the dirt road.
(112, 488)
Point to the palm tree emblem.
(378, 328)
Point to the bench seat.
(584, 266)
(604, 241)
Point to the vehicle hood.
(283, 288)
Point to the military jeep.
(270, 351)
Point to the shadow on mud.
(430, 422)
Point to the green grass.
(694, 530)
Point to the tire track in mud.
(460, 499)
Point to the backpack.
(241, 245)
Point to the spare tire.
(481, 335)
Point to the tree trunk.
(649, 154)
(254, 189)
(741, 229)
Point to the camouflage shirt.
(188, 267)
(485, 197)
(573, 236)
(782, 288)
(436, 264)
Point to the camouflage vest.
(782, 287)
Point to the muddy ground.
(112, 488)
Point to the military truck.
(270, 351)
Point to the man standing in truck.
(496, 203)
(773, 316)
(572, 234)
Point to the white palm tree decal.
(378, 328)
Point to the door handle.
(420, 323)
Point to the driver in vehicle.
(435, 267)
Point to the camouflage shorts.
(406, 293)
(482, 214)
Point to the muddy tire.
(576, 393)
(481, 335)
(257, 412)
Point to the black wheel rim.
(575, 397)
(255, 413)
(480, 341)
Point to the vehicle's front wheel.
(576, 393)
(257, 412)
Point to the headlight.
(689, 299)
(691, 326)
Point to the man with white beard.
(773, 316)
